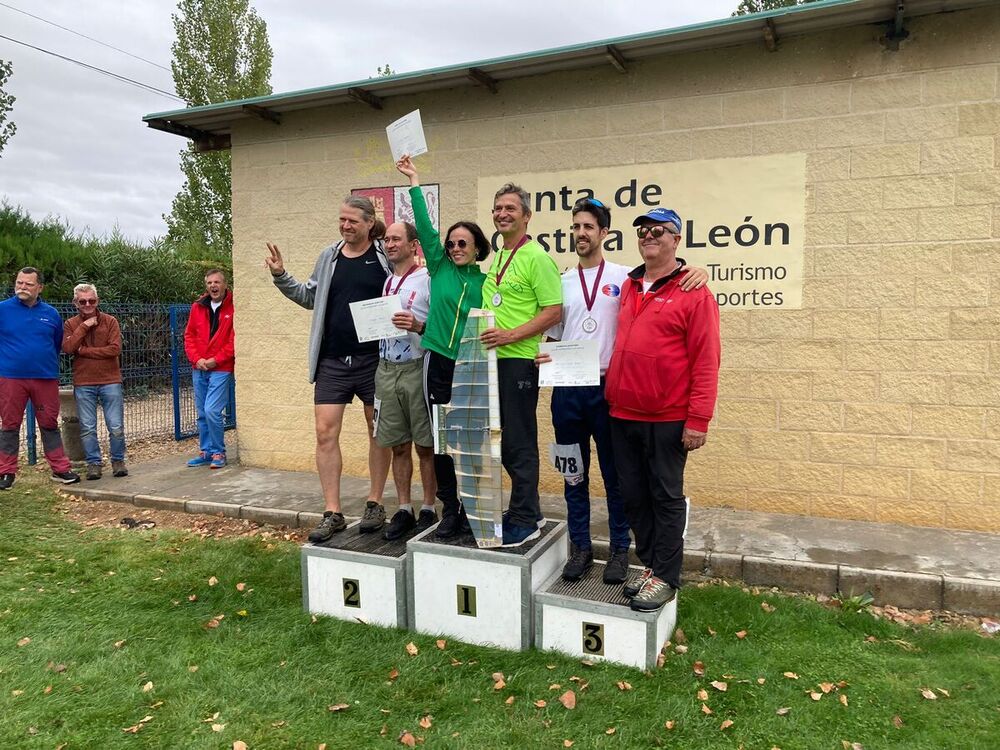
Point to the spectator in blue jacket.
(30, 341)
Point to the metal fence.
(156, 374)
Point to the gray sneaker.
(119, 469)
(93, 471)
(330, 525)
(654, 594)
(633, 587)
(373, 518)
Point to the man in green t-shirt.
(524, 292)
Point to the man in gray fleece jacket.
(352, 270)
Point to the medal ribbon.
(510, 257)
(590, 297)
(388, 283)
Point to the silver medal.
(497, 300)
(589, 325)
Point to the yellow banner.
(744, 219)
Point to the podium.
(356, 576)
(481, 596)
(592, 620)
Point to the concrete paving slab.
(939, 566)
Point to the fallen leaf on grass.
(943, 692)
(767, 607)
(568, 699)
(441, 643)
(761, 680)
(698, 668)
(842, 699)
(278, 724)
(711, 632)
(239, 745)
(826, 687)
(218, 727)
(411, 649)
(57, 668)
(852, 745)
(791, 675)
(705, 710)
(540, 704)
(622, 685)
(510, 701)
(679, 636)
(147, 687)
(425, 722)
(928, 694)
(241, 586)
(703, 695)
(498, 681)
(670, 724)
(567, 743)
(134, 729)
(741, 634)
(726, 724)
(214, 622)
(157, 704)
(193, 668)
(212, 581)
(48, 689)
(610, 730)
(720, 686)
(211, 718)
(815, 696)
(242, 612)
(783, 711)
(407, 739)
(336, 707)
(193, 598)
(897, 722)
(455, 662)
(555, 686)
(24, 642)
(584, 662)
(119, 644)
(393, 674)
(16, 693)
(680, 648)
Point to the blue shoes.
(201, 459)
(218, 461)
(514, 535)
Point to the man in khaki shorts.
(401, 416)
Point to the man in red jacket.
(208, 341)
(661, 387)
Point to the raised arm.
(300, 293)
(430, 238)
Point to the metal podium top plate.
(466, 540)
(592, 587)
(372, 543)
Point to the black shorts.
(340, 379)
(439, 371)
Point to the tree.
(221, 53)
(384, 72)
(7, 129)
(747, 7)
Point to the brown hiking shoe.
(93, 471)
(119, 469)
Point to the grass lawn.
(119, 624)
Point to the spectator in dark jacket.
(209, 343)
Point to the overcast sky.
(82, 153)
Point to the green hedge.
(122, 270)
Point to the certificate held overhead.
(406, 136)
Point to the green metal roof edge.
(717, 23)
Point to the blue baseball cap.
(662, 215)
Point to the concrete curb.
(899, 588)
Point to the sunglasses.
(584, 202)
(452, 244)
(86, 302)
(656, 232)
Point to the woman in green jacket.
(456, 288)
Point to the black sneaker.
(330, 525)
(65, 477)
(616, 571)
(654, 594)
(581, 559)
(426, 519)
(453, 524)
(633, 587)
(6, 481)
(373, 518)
(401, 523)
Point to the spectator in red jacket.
(208, 341)
(661, 387)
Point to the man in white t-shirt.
(591, 296)
(401, 417)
